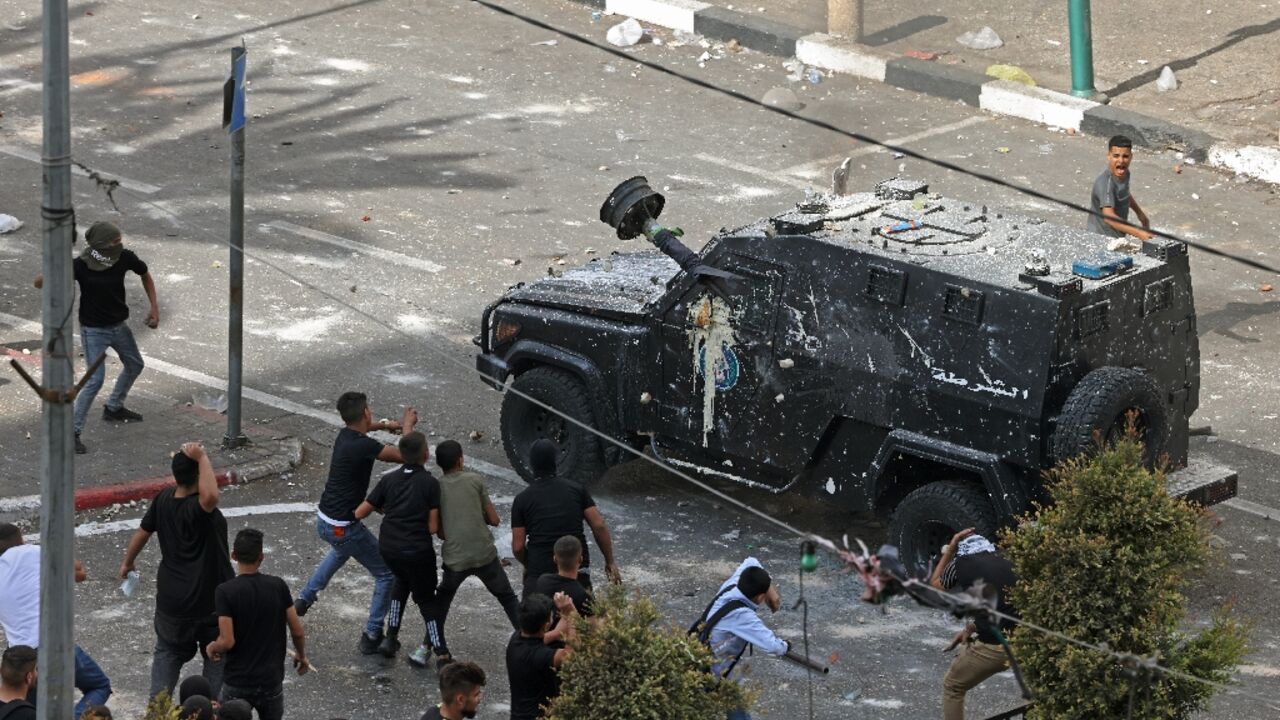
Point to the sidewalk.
(1226, 110)
(129, 461)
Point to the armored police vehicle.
(893, 351)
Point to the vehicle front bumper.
(1203, 483)
(493, 370)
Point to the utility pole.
(57, 469)
(1080, 25)
(844, 17)
(233, 118)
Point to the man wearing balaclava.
(549, 509)
(99, 271)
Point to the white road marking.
(827, 164)
(90, 529)
(804, 175)
(279, 403)
(1253, 508)
(125, 182)
(353, 246)
(751, 170)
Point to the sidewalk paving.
(130, 461)
(1226, 111)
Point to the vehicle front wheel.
(929, 516)
(579, 457)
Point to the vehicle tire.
(1100, 404)
(580, 459)
(929, 516)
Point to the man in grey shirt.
(1111, 199)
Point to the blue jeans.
(91, 681)
(95, 341)
(738, 715)
(352, 541)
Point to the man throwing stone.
(350, 470)
(193, 562)
(1111, 198)
(100, 272)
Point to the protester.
(20, 612)
(1111, 198)
(409, 500)
(535, 651)
(730, 624)
(466, 514)
(235, 710)
(461, 689)
(568, 555)
(254, 612)
(350, 470)
(967, 560)
(17, 679)
(193, 562)
(549, 509)
(100, 272)
(196, 707)
(195, 685)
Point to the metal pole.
(57, 471)
(844, 17)
(235, 327)
(1081, 28)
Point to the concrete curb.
(93, 498)
(1000, 97)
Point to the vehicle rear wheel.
(580, 458)
(1102, 403)
(929, 516)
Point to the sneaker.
(369, 643)
(389, 646)
(301, 606)
(441, 661)
(80, 448)
(420, 656)
(120, 414)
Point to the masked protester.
(100, 272)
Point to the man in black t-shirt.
(536, 651)
(461, 688)
(254, 612)
(967, 560)
(549, 509)
(17, 679)
(409, 500)
(193, 562)
(568, 555)
(100, 272)
(350, 469)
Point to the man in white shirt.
(20, 612)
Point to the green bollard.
(1081, 27)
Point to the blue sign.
(233, 93)
(725, 369)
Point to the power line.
(957, 598)
(855, 135)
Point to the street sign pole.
(234, 120)
(57, 476)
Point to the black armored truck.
(893, 351)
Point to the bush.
(161, 707)
(630, 666)
(1106, 563)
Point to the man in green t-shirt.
(466, 514)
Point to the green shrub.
(161, 707)
(1106, 562)
(631, 666)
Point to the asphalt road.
(403, 157)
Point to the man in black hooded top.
(549, 509)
